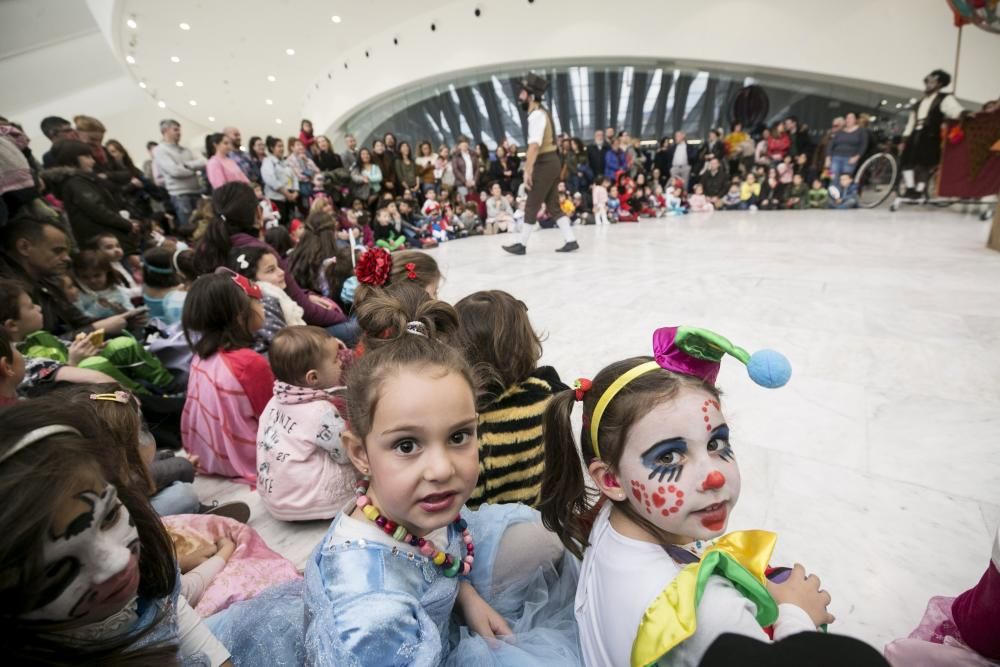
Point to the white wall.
(887, 44)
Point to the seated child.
(112, 248)
(386, 235)
(818, 195)
(845, 196)
(771, 192)
(749, 193)
(659, 579)
(162, 289)
(261, 266)
(229, 384)
(100, 295)
(302, 468)
(798, 194)
(498, 341)
(566, 205)
(383, 587)
(675, 201)
(614, 204)
(117, 597)
(698, 202)
(11, 369)
(732, 199)
(431, 208)
(584, 216)
(469, 220)
(122, 358)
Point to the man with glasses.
(55, 129)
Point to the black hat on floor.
(535, 84)
(815, 649)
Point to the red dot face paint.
(671, 496)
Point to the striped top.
(511, 449)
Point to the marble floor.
(879, 464)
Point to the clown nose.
(715, 480)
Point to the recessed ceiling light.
(270, 77)
(335, 18)
(268, 102)
(192, 103)
(211, 119)
(132, 24)
(142, 84)
(161, 104)
(130, 60)
(290, 52)
(174, 59)
(179, 84)
(184, 26)
(884, 102)
(278, 121)
(899, 105)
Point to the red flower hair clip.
(582, 386)
(411, 271)
(374, 267)
(248, 286)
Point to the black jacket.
(668, 158)
(59, 316)
(595, 157)
(92, 208)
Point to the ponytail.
(565, 496)
(235, 207)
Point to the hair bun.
(386, 315)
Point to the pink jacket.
(303, 472)
(222, 170)
(226, 394)
(600, 196)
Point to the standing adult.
(55, 128)
(179, 168)
(326, 158)
(846, 148)
(280, 185)
(681, 156)
(502, 169)
(922, 136)
(596, 153)
(406, 169)
(386, 164)
(258, 153)
(221, 168)
(425, 167)
(238, 155)
(615, 161)
(350, 155)
(541, 167)
(466, 167)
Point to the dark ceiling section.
(648, 101)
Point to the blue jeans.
(178, 498)
(184, 206)
(348, 332)
(840, 164)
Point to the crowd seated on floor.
(252, 312)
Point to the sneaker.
(516, 249)
(569, 247)
(237, 510)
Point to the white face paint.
(678, 469)
(91, 558)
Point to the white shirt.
(949, 107)
(681, 155)
(619, 579)
(467, 160)
(536, 126)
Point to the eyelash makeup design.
(670, 472)
(726, 451)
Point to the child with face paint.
(400, 558)
(88, 572)
(655, 587)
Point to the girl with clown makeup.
(660, 580)
(87, 573)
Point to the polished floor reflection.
(878, 464)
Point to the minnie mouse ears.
(699, 352)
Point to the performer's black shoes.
(515, 248)
(569, 247)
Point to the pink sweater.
(600, 197)
(303, 471)
(222, 170)
(226, 394)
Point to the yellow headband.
(610, 393)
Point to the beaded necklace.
(450, 566)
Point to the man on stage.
(922, 136)
(541, 167)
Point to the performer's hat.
(534, 84)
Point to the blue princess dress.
(370, 601)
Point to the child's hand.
(80, 349)
(480, 616)
(321, 301)
(225, 548)
(804, 593)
